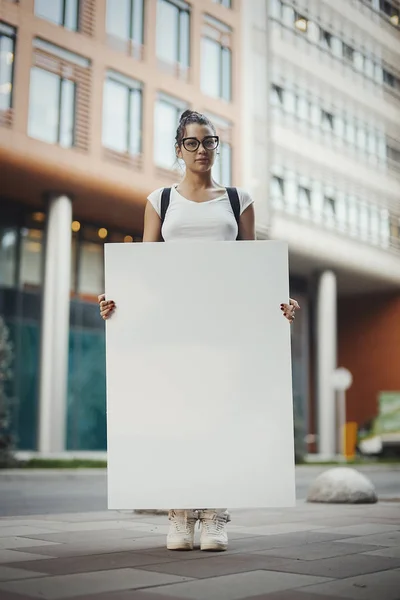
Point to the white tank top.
(188, 220)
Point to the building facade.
(334, 98)
(90, 96)
(306, 100)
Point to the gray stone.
(239, 586)
(151, 511)
(70, 586)
(342, 485)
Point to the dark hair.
(188, 117)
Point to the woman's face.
(201, 159)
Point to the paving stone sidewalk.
(311, 552)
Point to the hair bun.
(185, 115)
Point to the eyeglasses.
(191, 144)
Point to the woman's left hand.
(290, 309)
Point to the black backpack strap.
(235, 203)
(165, 198)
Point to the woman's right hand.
(107, 307)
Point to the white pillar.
(55, 327)
(326, 333)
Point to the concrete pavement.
(28, 492)
(311, 552)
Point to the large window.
(222, 169)
(216, 69)
(124, 21)
(167, 113)
(61, 12)
(173, 33)
(59, 96)
(122, 114)
(363, 136)
(7, 53)
(358, 58)
(51, 108)
(358, 216)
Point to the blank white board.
(199, 391)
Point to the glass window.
(374, 224)
(327, 120)
(340, 211)
(325, 39)
(368, 67)
(389, 78)
(167, 113)
(303, 108)
(51, 108)
(288, 15)
(216, 68)
(391, 10)
(124, 19)
(276, 9)
(7, 55)
(173, 32)
(373, 143)
(290, 101)
(382, 148)
(393, 154)
(30, 267)
(385, 227)
(362, 141)
(348, 52)
(359, 61)
(276, 97)
(61, 12)
(90, 268)
(304, 197)
(226, 3)
(8, 256)
(339, 124)
(222, 169)
(277, 190)
(313, 32)
(329, 206)
(353, 215)
(336, 46)
(350, 133)
(364, 220)
(122, 114)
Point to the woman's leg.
(181, 529)
(214, 537)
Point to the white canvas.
(199, 394)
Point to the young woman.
(199, 209)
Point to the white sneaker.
(213, 532)
(181, 530)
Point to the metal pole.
(342, 421)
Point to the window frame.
(60, 100)
(220, 34)
(64, 11)
(182, 64)
(180, 106)
(133, 44)
(131, 86)
(10, 33)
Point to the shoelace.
(181, 525)
(216, 524)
